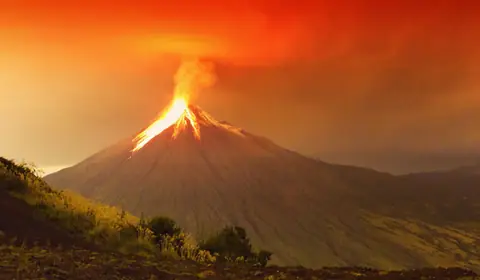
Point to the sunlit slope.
(32, 212)
(305, 211)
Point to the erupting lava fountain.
(190, 77)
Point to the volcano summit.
(305, 211)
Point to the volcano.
(207, 174)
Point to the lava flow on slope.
(189, 79)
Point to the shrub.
(162, 227)
(263, 257)
(232, 244)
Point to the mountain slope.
(305, 211)
(473, 169)
(21, 220)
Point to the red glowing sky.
(335, 75)
(245, 31)
(222, 29)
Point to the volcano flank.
(305, 211)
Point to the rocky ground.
(46, 262)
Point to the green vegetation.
(163, 226)
(99, 224)
(116, 230)
(232, 243)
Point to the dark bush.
(162, 227)
(232, 243)
(263, 257)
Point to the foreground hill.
(36, 213)
(305, 211)
(76, 264)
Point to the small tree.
(232, 243)
(263, 257)
(162, 227)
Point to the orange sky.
(335, 75)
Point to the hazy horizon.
(401, 164)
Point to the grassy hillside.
(75, 218)
(50, 234)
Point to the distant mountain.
(306, 211)
(474, 169)
(402, 162)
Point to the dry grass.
(106, 226)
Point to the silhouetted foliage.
(263, 257)
(19, 171)
(162, 227)
(232, 243)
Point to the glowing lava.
(189, 79)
